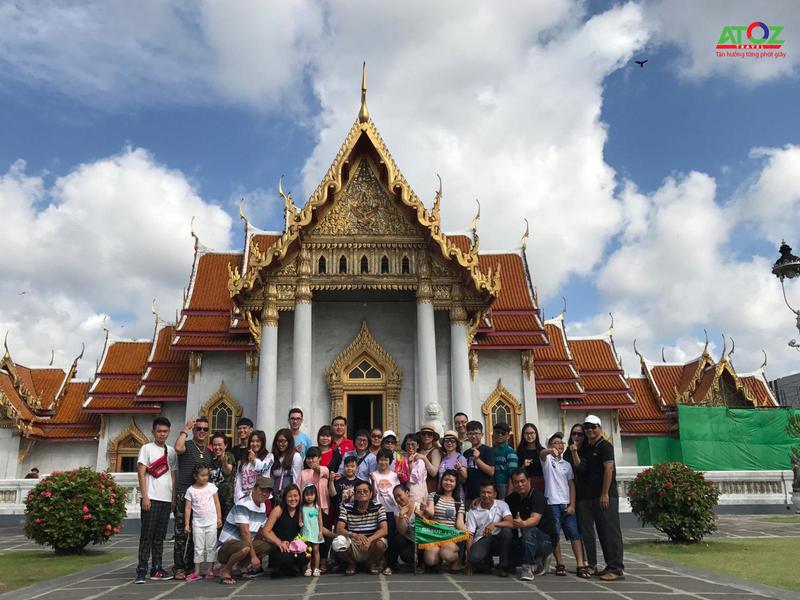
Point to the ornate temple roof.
(601, 374)
(166, 374)
(118, 378)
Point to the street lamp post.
(788, 267)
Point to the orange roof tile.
(687, 375)
(556, 350)
(115, 387)
(757, 387)
(593, 355)
(209, 283)
(211, 343)
(47, 382)
(162, 351)
(557, 390)
(554, 372)
(515, 292)
(69, 409)
(66, 434)
(666, 377)
(7, 389)
(104, 404)
(516, 322)
(204, 324)
(595, 400)
(124, 358)
(462, 241)
(645, 417)
(151, 392)
(170, 375)
(593, 383)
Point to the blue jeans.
(535, 545)
(565, 522)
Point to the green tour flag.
(428, 534)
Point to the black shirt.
(534, 467)
(193, 455)
(476, 477)
(534, 502)
(578, 472)
(593, 457)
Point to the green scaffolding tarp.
(727, 439)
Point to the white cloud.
(106, 238)
(694, 28)
(505, 105)
(676, 272)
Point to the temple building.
(360, 306)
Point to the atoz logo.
(756, 36)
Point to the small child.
(202, 510)
(384, 480)
(313, 528)
(320, 477)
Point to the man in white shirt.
(559, 489)
(487, 539)
(157, 465)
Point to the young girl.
(202, 510)
(313, 528)
(417, 469)
(319, 476)
(257, 462)
(384, 480)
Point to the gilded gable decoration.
(222, 410)
(502, 407)
(126, 444)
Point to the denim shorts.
(565, 522)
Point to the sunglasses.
(389, 441)
(201, 428)
(577, 433)
(589, 426)
(376, 435)
(448, 441)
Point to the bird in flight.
(23, 293)
(641, 62)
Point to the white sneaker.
(527, 573)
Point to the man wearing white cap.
(599, 475)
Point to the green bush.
(70, 509)
(676, 500)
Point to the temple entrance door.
(364, 411)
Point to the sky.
(658, 194)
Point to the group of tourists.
(342, 505)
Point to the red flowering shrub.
(70, 509)
(676, 500)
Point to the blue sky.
(547, 118)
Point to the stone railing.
(736, 488)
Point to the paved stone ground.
(646, 579)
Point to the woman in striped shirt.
(445, 508)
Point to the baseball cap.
(594, 420)
(265, 483)
(504, 427)
(389, 433)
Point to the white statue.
(433, 415)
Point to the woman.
(331, 457)
(453, 460)
(402, 545)
(417, 468)
(583, 504)
(445, 508)
(257, 462)
(528, 453)
(282, 527)
(398, 462)
(288, 461)
(429, 448)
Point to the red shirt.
(345, 446)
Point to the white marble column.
(529, 401)
(302, 352)
(459, 368)
(426, 359)
(266, 410)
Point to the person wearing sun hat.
(598, 469)
(430, 450)
(452, 459)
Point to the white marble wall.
(58, 456)
(218, 367)
(629, 457)
(9, 446)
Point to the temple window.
(364, 265)
(321, 265)
(502, 407)
(406, 266)
(364, 370)
(342, 265)
(221, 418)
(385, 264)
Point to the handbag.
(159, 466)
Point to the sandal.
(374, 570)
(350, 571)
(561, 570)
(387, 571)
(583, 572)
(227, 580)
(307, 573)
(209, 576)
(317, 573)
(180, 576)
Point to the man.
(366, 462)
(533, 521)
(221, 473)
(191, 452)
(33, 473)
(156, 468)
(480, 462)
(460, 421)
(244, 427)
(505, 458)
(488, 539)
(559, 488)
(339, 438)
(363, 525)
(241, 539)
(375, 440)
(601, 502)
(301, 440)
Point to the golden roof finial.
(242, 215)
(80, 356)
(289, 208)
(611, 327)
(52, 357)
(663, 358)
(7, 354)
(564, 308)
(524, 242)
(763, 366)
(474, 225)
(724, 348)
(733, 349)
(363, 113)
(437, 200)
(194, 235)
(705, 348)
(153, 309)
